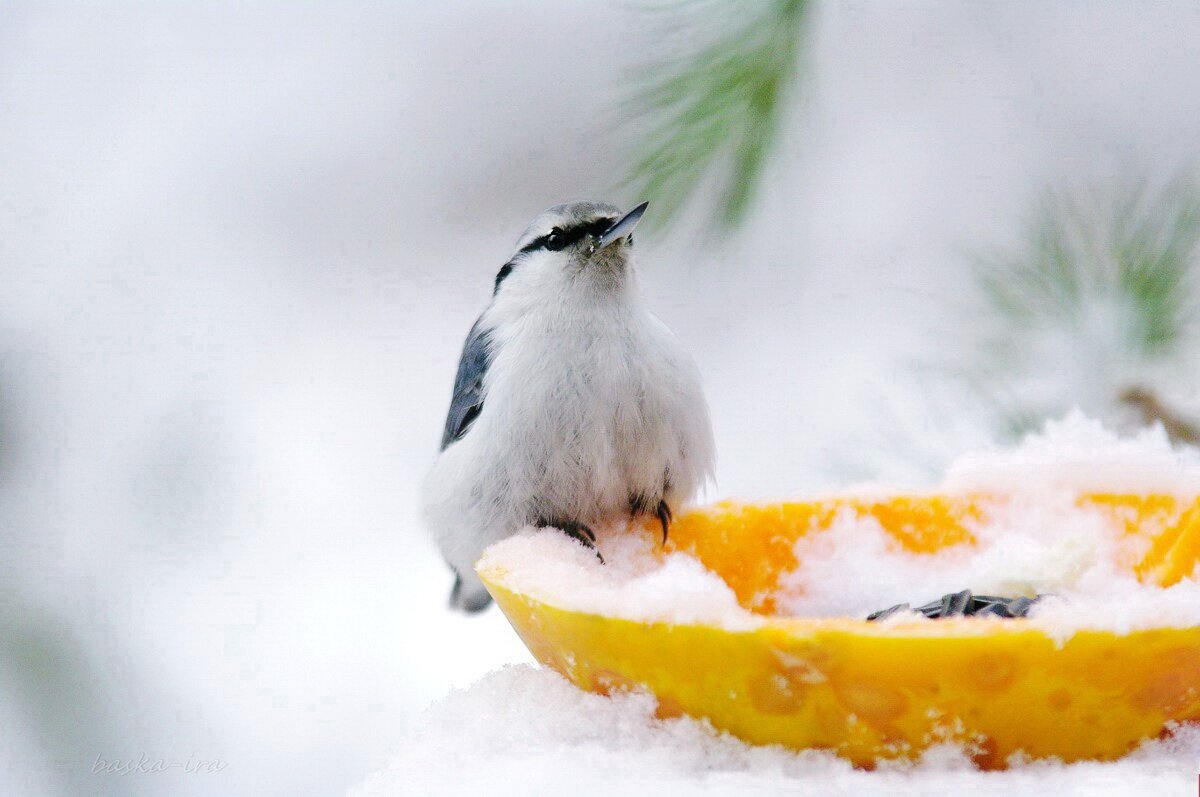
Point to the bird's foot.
(578, 532)
(639, 504)
(663, 512)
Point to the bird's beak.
(623, 226)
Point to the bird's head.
(585, 245)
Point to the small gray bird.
(573, 404)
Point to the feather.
(467, 400)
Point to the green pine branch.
(1137, 248)
(1126, 256)
(710, 110)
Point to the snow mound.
(1079, 454)
(523, 730)
(634, 582)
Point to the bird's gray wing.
(467, 401)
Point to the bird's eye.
(555, 240)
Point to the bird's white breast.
(587, 405)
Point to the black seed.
(956, 603)
(965, 604)
(1020, 607)
(883, 614)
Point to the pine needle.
(1127, 257)
(710, 110)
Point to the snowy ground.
(240, 247)
(524, 730)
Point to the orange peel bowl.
(872, 691)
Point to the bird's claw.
(581, 534)
(663, 512)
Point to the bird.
(573, 405)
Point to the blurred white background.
(240, 248)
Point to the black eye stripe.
(568, 235)
(600, 226)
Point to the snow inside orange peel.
(751, 545)
(872, 691)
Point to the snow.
(1078, 453)
(633, 582)
(1037, 541)
(523, 730)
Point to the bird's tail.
(469, 595)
